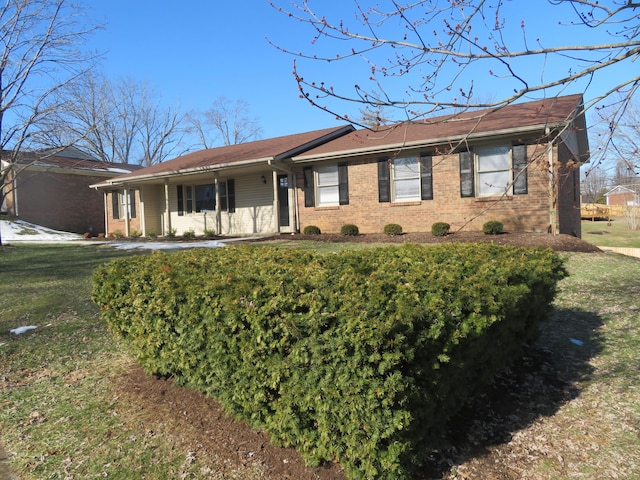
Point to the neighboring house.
(52, 189)
(518, 164)
(625, 195)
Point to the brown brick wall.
(62, 201)
(120, 224)
(528, 213)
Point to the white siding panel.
(153, 207)
(254, 209)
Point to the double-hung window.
(326, 185)
(405, 179)
(492, 171)
(123, 201)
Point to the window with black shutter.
(343, 184)
(467, 188)
(384, 183)
(519, 158)
(308, 187)
(426, 177)
(115, 204)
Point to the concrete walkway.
(631, 252)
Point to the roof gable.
(510, 119)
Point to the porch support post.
(127, 226)
(167, 212)
(218, 214)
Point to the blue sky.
(195, 51)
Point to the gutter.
(174, 173)
(379, 149)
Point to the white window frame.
(488, 171)
(328, 193)
(399, 177)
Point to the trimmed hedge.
(359, 356)
(349, 229)
(440, 229)
(392, 229)
(493, 227)
(311, 230)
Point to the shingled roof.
(259, 151)
(533, 116)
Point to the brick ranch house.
(53, 189)
(624, 195)
(518, 164)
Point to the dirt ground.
(513, 400)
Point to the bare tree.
(226, 121)
(39, 54)
(426, 56)
(121, 122)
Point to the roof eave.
(118, 181)
(426, 143)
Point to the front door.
(283, 203)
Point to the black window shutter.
(520, 183)
(426, 177)
(231, 195)
(308, 188)
(466, 174)
(115, 204)
(180, 201)
(343, 184)
(132, 202)
(384, 181)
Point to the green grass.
(62, 416)
(610, 234)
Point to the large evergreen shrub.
(359, 356)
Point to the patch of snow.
(19, 330)
(19, 231)
(166, 245)
(118, 170)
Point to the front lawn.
(63, 413)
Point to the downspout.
(553, 201)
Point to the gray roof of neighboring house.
(71, 159)
(511, 119)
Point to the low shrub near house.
(392, 229)
(135, 234)
(493, 227)
(209, 233)
(359, 356)
(189, 234)
(349, 229)
(440, 229)
(118, 234)
(311, 230)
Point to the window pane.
(493, 183)
(328, 195)
(407, 188)
(328, 175)
(406, 168)
(205, 197)
(493, 158)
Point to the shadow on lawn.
(538, 384)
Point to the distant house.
(625, 195)
(52, 189)
(518, 164)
